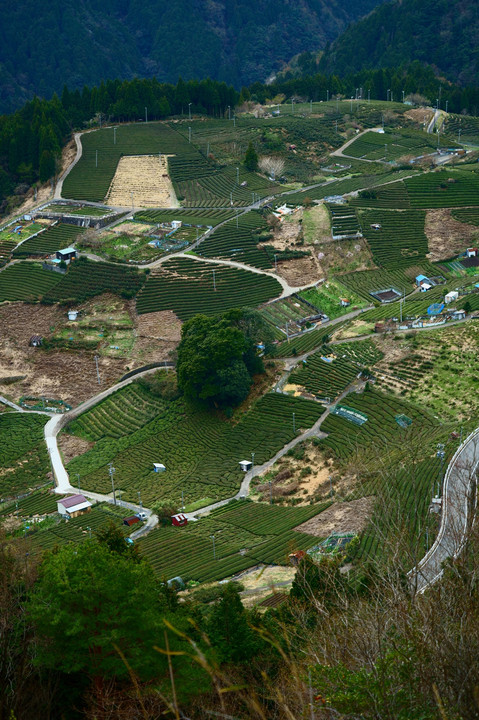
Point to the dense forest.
(89, 40)
(92, 633)
(442, 33)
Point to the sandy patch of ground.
(295, 389)
(72, 446)
(340, 517)
(142, 181)
(130, 228)
(163, 325)
(419, 115)
(300, 271)
(447, 236)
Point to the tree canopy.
(217, 357)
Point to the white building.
(73, 505)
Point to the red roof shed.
(179, 520)
(131, 520)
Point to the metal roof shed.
(158, 467)
(245, 465)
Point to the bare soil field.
(71, 446)
(142, 181)
(447, 236)
(70, 375)
(420, 115)
(340, 517)
(298, 271)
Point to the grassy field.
(187, 287)
(201, 451)
(327, 297)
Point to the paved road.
(459, 499)
(53, 427)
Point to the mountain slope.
(442, 33)
(81, 42)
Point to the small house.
(72, 314)
(66, 255)
(158, 467)
(451, 297)
(36, 341)
(73, 506)
(132, 520)
(458, 314)
(472, 252)
(345, 302)
(176, 224)
(179, 520)
(423, 283)
(245, 465)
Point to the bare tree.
(272, 166)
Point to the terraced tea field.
(444, 189)
(238, 240)
(23, 455)
(56, 237)
(231, 186)
(391, 145)
(85, 279)
(91, 177)
(393, 196)
(399, 241)
(187, 287)
(26, 281)
(201, 452)
(200, 217)
(324, 375)
(245, 534)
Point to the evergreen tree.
(251, 158)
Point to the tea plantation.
(23, 452)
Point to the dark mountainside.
(442, 33)
(84, 41)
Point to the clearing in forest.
(142, 181)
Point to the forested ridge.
(442, 33)
(86, 41)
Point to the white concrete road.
(459, 500)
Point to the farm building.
(35, 341)
(458, 314)
(72, 314)
(179, 520)
(472, 252)
(132, 520)
(451, 297)
(423, 283)
(296, 557)
(245, 465)
(66, 255)
(73, 506)
(158, 467)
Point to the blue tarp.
(435, 309)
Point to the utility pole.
(111, 472)
(146, 114)
(97, 370)
(331, 485)
(214, 281)
(78, 477)
(229, 112)
(237, 175)
(270, 493)
(214, 549)
(252, 463)
(189, 111)
(189, 134)
(446, 104)
(96, 158)
(114, 136)
(139, 499)
(402, 95)
(89, 532)
(294, 422)
(275, 264)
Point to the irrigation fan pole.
(214, 281)
(214, 549)
(111, 472)
(97, 370)
(96, 158)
